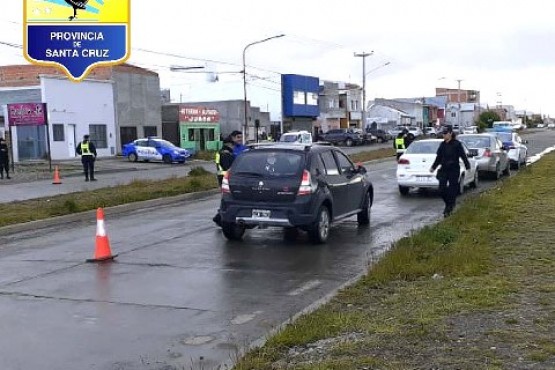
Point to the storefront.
(199, 128)
(27, 123)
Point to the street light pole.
(363, 55)
(459, 101)
(245, 124)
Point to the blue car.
(154, 150)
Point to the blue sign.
(77, 36)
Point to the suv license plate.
(261, 213)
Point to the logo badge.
(76, 35)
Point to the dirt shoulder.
(476, 291)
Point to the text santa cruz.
(76, 38)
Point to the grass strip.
(475, 291)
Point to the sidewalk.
(29, 183)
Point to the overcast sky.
(504, 49)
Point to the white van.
(297, 137)
(503, 125)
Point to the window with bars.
(58, 132)
(98, 136)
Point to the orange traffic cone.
(57, 180)
(102, 251)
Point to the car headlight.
(176, 152)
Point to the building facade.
(72, 110)
(340, 106)
(136, 95)
(231, 117)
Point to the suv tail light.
(306, 187)
(487, 153)
(403, 161)
(225, 183)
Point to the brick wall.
(28, 75)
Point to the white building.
(73, 110)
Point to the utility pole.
(363, 55)
(459, 101)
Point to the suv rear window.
(268, 163)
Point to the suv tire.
(232, 231)
(320, 229)
(404, 190)
(363, 217)
(349, 142)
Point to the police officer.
(400, 143)
(87, 151)
(224, 159)
(4, 160)
(448, 154)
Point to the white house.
(73, 110)
(383, 113)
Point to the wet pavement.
(180, 296)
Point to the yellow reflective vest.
(400, 143)
(219, 167)
(85, 149)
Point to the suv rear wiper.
(254, 174)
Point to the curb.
(109, 211)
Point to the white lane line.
(305, 287)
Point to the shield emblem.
(76, 36)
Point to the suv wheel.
(132, 157)
(363, 217)
(232, 231)
(167, 159)
(349, 142)
(320, 230)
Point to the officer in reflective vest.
(224, 159)
(400, 143)
(87, 151)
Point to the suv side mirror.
(361, 169)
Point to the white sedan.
(413, 168)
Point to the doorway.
(71, 140)
(127, 135)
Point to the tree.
(486, 119)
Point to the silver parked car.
(492, 158)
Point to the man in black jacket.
(448, 154)
(224, 160)
(4, 159)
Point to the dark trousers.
(449, 186)
(88, 166)
(220, 180)
(4, 166)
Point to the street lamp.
(245, 79)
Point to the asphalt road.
(180, 295)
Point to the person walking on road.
(87, 151)
(400, 143)
(237, 138)
(4, 159)
(224, 159)
(448, 155)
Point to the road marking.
(305, 287)
(243, 319)
(197, 341)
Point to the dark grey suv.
(294, 187)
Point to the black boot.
(7, 175)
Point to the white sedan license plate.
(261, 213)
(423, 179)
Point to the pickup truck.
(342, 136)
